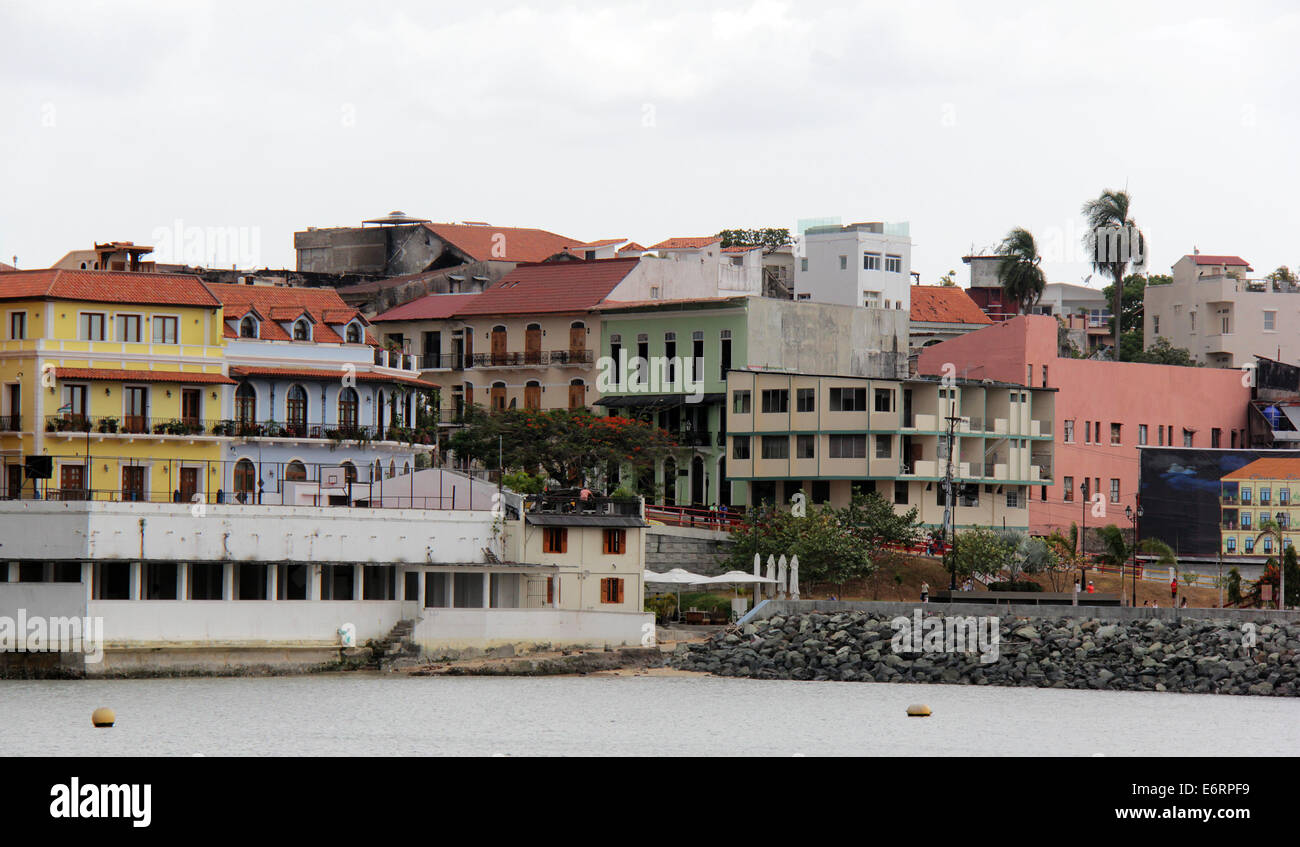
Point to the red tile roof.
(330, 375)
(5, 268)
(945, 304)
(603, 242)
(557, 287)
(108, 287)
(612, 305)
(429, 307)
(685, 243)
(282, 303)
(632, 248)
(741, 249)
(513, 244)
(1267, 469)
(136, 375)
(1231, 261)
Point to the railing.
(687, 516)
(396, 359)
(572, 502)
(1228, 499)
(530, 358)
(73, 425)
(692, 439)
(11, 423)
(1229, 524)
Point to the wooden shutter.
(618, 583)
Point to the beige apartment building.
(827, 435)
(1223, 315)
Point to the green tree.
(1282, 274)
(980, 550)
(768, 238)
(949, 279)
(1234, 587)
(872, 521)
(1164, 353)
(1110, 210)
(567, 445)
(1019, 271)
(828, 552)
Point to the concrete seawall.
(1100, 613)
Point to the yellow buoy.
(103, 717)
(918, 710)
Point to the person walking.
(1173, 591)
(925, 592)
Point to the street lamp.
(1083, 538)
(1133, 519)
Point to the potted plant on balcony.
(108, 425)
(273, 429)
(226, 428)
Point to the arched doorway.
(348, 407)
(698, 490)
(295, 471)
(245, 481)
(295, 411)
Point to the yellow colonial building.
(1254, 495)
(114, 382)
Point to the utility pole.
(949, 516)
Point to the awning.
(658, 401)
(1293, 415)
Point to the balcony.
(1228, 499)
(11, 423)
(570, 502)
(134, 425)
(531, 359)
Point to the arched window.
(248, 327)
(354, 333)
(499, 353)
(295, 471)
(577, 394)
(246, 404)
(301, 330)
(295, 411)
(533, 395)
(348, 408)
(392, 469)
(498, 396)
(245, 480)
(406, 468)
(349, 472)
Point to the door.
(499, 345)
(137, 408)
(189, 484)
(577, 341)
(697, 481)
(77, 406)
(533, 345)
(296, 411)
(498, 398)
(15, 491)
(577, 394)
(670, 482)
(133, 483)
(190, 400)
(533, 396)
(72, 482)
(15, 421)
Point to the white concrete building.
(862, 264)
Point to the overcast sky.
(649, 120)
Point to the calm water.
(397, 716)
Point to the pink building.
(1104, 411)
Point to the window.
(848, 399)
(821, 491)
(615, 542)
(894, 264)
(740, 403)
(354, 333)
(1245, 520)
(848, 447)
(776, 400)
(1114, 433)
(92, 326)
(803, 265)
(1270, 321)
(740, 447)
(1068, 483)
(555, 539)
(871, 299)
(1216, 437)
(900, 493)
(1232, 545)
(1069, 432)
(301, 330)
(804, 399)
(348, 406)
(1187, 438)
(128, 328)
(1114, 490)
(611, 590)
(1142, 433)
(776, 447)
(1249, 545)
(245, 404)
(17, 326)
(697, 352)
(884, 445)
(871, 261)
(844, 263)
(805, 447)
(724, 362)
(164, 330)
(1013, 497)
(1284, 497)
(1160, 435)
(1265, 496)
(1155, 324)
(1245, 496)
(654, 292)
(1192, 316)
(1087, 432)
(884, 400)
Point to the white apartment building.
(1221, 314)
(861, 264)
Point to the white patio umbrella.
(794, 577)
(677, 577)
(771, 567)
(780, 577)
(738, 578)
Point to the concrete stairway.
(394, 647)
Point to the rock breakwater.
(1190, 656)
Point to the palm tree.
(1110, 212)
(1022, 278)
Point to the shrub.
(663, 606)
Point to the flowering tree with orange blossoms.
(567, 445)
